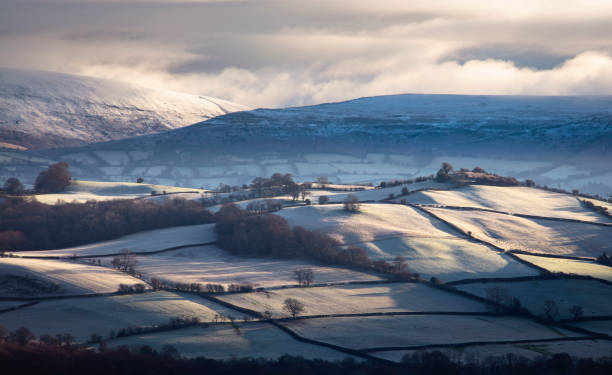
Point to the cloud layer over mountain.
(285, 52)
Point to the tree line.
(26, 224)
(269, 235)
(51, 359)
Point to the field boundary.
(548, 276)
(474, 343)
(72, 257)
(527, 216)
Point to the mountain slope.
(563, 141)
(44, 109)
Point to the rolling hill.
(557, 141)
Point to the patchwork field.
(585, 348)
(354, 299)
(430, 247)
(448, 259)
(533, 235)
(209, 264)
(42, 277)
(578, 267)
(417, 330)
(153, 240)
(513, 199)
(593, 296)
(373, 222)
(83, 316)
(257, 340)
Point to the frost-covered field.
(209, 264)
(448, 259)
(256, 340)
(593, 296)
(384, 193)
(352, 299)
(515, 199)
(83, 316)
(373, 222)
(70, 277)
(578, 267)
(533, 235)
(585, 348)
(83, 191)
(153, 240)
(415, 330)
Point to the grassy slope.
(352, 299)
(83, 316)
(533, 235)
(515, 199)
(72, 278)
(209, 264)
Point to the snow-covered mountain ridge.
(44, 109)
(558, 141)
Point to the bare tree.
(126, 261)
(304, 276)
(499, 295)
(294, 190)
(443, 173)
(257, 207)
(351, 203)
(304, 193)
(293, 307)
(13, 186)
(576, 311)
(551, 312)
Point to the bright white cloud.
(278, 53)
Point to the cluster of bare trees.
(131, 289)
(261, 207)
(504, 302)
(304, 276)
(158, 284)
(125, 262)
(351, 203)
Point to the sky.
(281, 53)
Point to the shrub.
(323, 199)
(31, 225)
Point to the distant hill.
(44, 109)
(558, 141)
